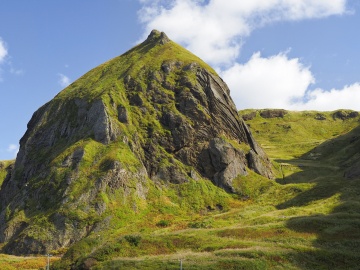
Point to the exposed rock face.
(205, 111)
(59, 230)
(79, 119)
(344, 114)
(249, 116)
(222, 162)
(256, 163)
(159, 37)
(121, 125)
(273, 113)
(320, 116)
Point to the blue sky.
(288, 54)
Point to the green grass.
(297, 132)
(3, 169)
(307, 219)
(9, 262)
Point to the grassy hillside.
(309, 218)
(296, 133)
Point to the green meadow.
(307, 218)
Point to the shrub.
(133, 239)
(163, 223)
(206, 223)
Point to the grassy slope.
(308, 219)
(297, 132)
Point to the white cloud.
(3, 50)
(5, 59)
(3, 54)
(13, 148)
(273, 82)
(321, 100)
(280, 82)
(214, 29)
(64, 81)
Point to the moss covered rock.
(152, 117)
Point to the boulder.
(221, 162)
(345, 114)
(273, 113)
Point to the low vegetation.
(8, 262)
(296, 133)
(308, 218)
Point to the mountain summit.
(156, 122)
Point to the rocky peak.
(157, 36)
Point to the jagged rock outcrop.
(222, 162)
(320, 116)
(249, 116)
(143, 116)
(345, 114)
(273, 113)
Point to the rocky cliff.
(156, 116)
